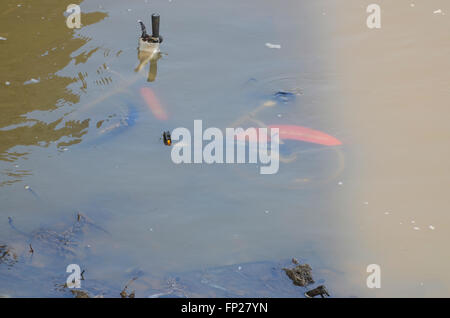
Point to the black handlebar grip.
(144, 32)
(155, 25)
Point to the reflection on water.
(37, 46)
(148, 58)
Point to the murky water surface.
(85, 177)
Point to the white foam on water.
(273, 46)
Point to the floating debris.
(8, 256)
(28, 188)
(124, 293)
(167, 138)
(32, 81)
(285, 97)
(273, 46)
(301, 275)
(319, 290)
(145, 39)
(438, 11)
(269, 103)
(416, 228)
(7, 83)
(2, 38)
(431, 227)
(340, 183)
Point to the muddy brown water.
(220, 230)
(395, 95)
